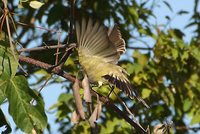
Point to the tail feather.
(126, 87)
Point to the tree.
(166, 74)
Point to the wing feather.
(83, 29)
(78, 31)
(87, 30)
(93, 40)
(116, 38)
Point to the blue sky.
(51, 93)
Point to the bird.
(99, 50)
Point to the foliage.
(167, 75)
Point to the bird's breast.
(94, 67)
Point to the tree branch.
(50, 30)
(141, 48)
(56, 70)
(41, 48)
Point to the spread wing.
(115, 37)
(93, 40)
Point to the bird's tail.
(125, 86)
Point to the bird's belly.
(94, 69)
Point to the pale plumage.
(99, 51)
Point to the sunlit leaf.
(174, 53)
(146, 93)
(42, 72)
(187, 104)
(24, 0)
(133, 12)
(196, 53)
(35, 4)
(196, 118)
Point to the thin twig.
(45, 83)
(126, 107)
(32, 101)
(42, 48)
(3, 18)
(50, 30)
(65, 56)
(57, 50)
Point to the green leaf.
(35, 4)
(4, 123)
(146, 93)
(65, 97)
(2, 91)
(174, 53)
(184, 56)
(2, 94)
(25, 115)
(142, 31)
(187, 104)
(23, 0)
(64, 105)
(129, 68)
(136, 67)
(134, 12)
(196, 53)
(8, 67)
(196, 118)
(82, 128)
(116, 125)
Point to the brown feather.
(116, 38)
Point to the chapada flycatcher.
(99, 50)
